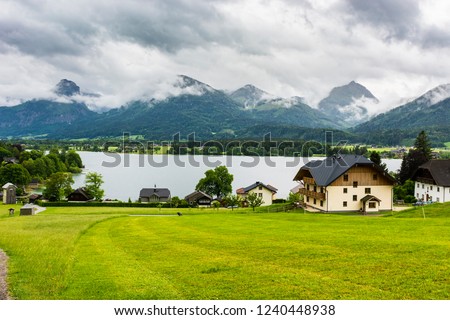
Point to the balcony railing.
(315, 195)
(307, 180)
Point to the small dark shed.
(79, 195)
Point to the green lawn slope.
(115, 253)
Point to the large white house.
(264, 191)
(432, 181)
(346, 183)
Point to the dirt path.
(3, 285)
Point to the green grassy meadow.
(104, 253)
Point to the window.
(431, 187)
(260, 195)
(355, 197)
(355, 184)
(375, 176)
(423, 186)
(321, 203)
(437, 199)
(260, 188)
(315, 189)
(438, 189)
(345, 190)
(321, 190)
(372, 205)
(418, 185)
(307, 199)
(345, 177)
(315, 201)
(307, 187)
(417, 195)
(344, 204)
(367, 190)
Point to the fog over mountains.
(193, 106)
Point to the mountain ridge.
(195, 106)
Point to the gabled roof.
(297, 188)
(369, 197)
(194, 196)
(159, 192)
(328, 170)
(83, 192)
(253, 186)
(439, 170)
(6, 186)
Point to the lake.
(125, 175)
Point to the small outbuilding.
(28, 210)
(9, 194)
(79, 195)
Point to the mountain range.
(248, 112)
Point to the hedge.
(108, 204)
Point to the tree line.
(19, 165)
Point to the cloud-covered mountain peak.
(348, 104)
(250, 96)
(67, 88)
(190, 85)
(435, 95)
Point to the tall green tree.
(93, 184)
(376, 158)
(254, 200)
(415, 157)
(216, 182)
(14, 173)
(4, 153)
(423, 144)
(73, 161)
(58, 186)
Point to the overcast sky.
(123, 49)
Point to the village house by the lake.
(432, 181)
(264, 191)
(346, 183)
(198, 198)
(154, 195)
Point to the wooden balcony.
(312, 194)
(310, 181)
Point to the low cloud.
(134, 49)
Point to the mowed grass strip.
(41, 247)
(104, 253)
(270, 256)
